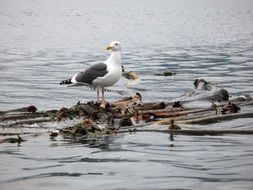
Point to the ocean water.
(44, 42)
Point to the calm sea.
(44, 42)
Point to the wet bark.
(130, 114)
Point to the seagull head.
(114, 46)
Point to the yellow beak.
(109, 47)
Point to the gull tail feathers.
(64, 82)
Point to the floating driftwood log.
(118, 116)
(130, 114)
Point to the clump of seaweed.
(104, 118)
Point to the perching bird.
(100, 75)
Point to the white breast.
(114, 71)
(113, 75)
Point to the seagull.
(100, 75)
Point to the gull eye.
(116, 44)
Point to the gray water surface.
(44, 42)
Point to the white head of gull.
(100, 75)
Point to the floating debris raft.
(130, 114)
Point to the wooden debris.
(86, 127)
(29, 109)
(7, 117)
(130, 74)
(27, 122)
(12, 140)
(128, 101)
(54, 133)
(197, 132)
(166, 72)
(117, 116)
(215, 118)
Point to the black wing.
(93, 72)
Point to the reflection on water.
(132, 161)
(44, 42)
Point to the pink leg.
(103, 93)
(98, 94)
